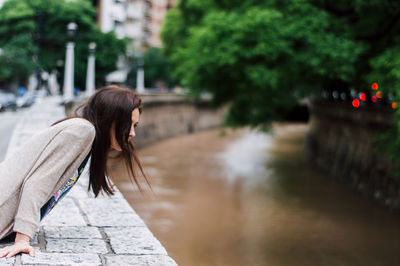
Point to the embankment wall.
(341, 142)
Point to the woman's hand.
(21, 245)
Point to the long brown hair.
(107, 106)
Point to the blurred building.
(111, 15)
(158, 11)
(139, 20)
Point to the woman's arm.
(74, 141)
(21, 245)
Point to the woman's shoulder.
(78, 125)
(79, 121)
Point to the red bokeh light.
(363, 97)
(374, 86)
(394, 105)
(374, 99)
(378, 94)
(356, 103)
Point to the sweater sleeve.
(52, 163)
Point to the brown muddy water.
(224, 197)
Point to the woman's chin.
(116, 148)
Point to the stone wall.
(168, 116)
(341, 142)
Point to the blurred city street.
(7, 124)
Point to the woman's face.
(135, 121)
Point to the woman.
(36, 177)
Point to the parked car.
(8, 101)
(26, 100)
(39, 94)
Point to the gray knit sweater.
(30, 176)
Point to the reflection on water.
(246, 157)
(245, 198)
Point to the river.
(225, 197)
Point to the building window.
(117, 24)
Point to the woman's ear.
(113, 139)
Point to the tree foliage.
(13, 59)
(19, 21)
(262, 56)
(156, 69)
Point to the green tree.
(156, 69)
(13, 59)
(18, 20)
(262, 56)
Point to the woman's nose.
(132, 134)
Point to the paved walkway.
(82, 230)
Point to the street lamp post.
(90, 74)
(38, 37)
(69, 64)
(140, 73)
(140, 66)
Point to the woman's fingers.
(31, 252)
(3, 252)
(15, 249)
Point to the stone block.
(76, 246)
(116, 204)
(78, 192)
(35, 239)
(84, 178)
(117, 195)
(83, 185)
(61, 259)
(85, 232)
(143, 260)
(134, 240)
(66, 213)
(110, 212)
(124, 219)
(4, 261)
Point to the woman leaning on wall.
(37, 176)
